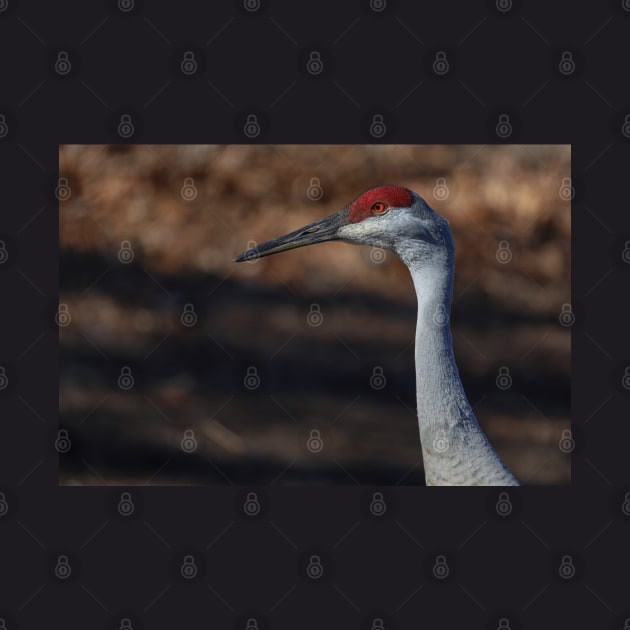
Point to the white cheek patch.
(395, 225)
(352, 231)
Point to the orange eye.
(378, 207)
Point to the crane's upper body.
(455, 449)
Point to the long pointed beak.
(323, 230)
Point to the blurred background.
(178, 366)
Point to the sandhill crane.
(455, 450)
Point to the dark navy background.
(112, 72)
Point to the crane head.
(391, 217)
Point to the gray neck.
(455, 449)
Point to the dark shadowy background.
(178, 366)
